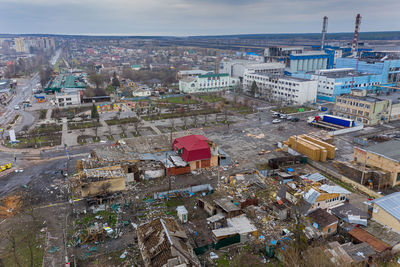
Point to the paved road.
(23, 91)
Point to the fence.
(347, 130)
(183, 191)
(360, 141)
(344, 179)
(220, 244)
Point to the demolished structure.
(162, 242)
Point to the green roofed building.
(63, 81)
(208, 83)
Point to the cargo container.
(338, 120)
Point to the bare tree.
(185, 120)
(136, 124)
(194, 118)
(205, 119)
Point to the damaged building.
(163, 242)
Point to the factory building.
(208, 83)
(310, 61)
(384, 156)
(281, 53)
(388, 68)
(336, 82)
(288, 89)
(238, 68)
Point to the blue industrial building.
(389, 69)
(335, 82)
(309, 61)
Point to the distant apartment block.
(290, 90)
(19, 45)
(208, 83)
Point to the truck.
(338, 120)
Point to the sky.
(194, 17)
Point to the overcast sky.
(194, 17)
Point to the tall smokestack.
(324, 28)
(354, 45)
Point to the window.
(329, 230)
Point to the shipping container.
(338, 120)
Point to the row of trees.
(27, 66)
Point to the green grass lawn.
(42, 114)
(210, 98)
(48, 128)
(178, 100)
(164, 116)
(85, 124)
(289, 109)
(38, 141)
(121, 121)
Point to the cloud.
(192, 17)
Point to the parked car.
(16, 107)
(294, 119)
(283, 116)
(276, 115)
(276, 121)
(289, 118)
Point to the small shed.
(182, 213)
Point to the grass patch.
(121, 121)
(110, 137)
(81, 125)
(242, 109)
(70, 112)
(223, 261)
(82, 139)
(164, 116)
(42, 114)
(35, 141)
(174, 202)
(290, 109)
(210, 98)
(48, 128)
(179, 100)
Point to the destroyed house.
(197, 150)
(324, 222)
(360, 235)
(216, 205)
(100, 181)
(325, 196)
(163, 242)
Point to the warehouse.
(384, 156)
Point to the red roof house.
(192, 147)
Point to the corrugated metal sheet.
(334, 189)
(315, 177)
(390, 203)
(363, 236)
(311, 196)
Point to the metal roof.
(334, 189)
(390, 203)
(315, 177)
(389, 149)
(311, 196)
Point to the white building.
(296, 91)
(68, 97)
(238, 68)
(208, 83)
(192, 73)
(140, 92)
(20, 45)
